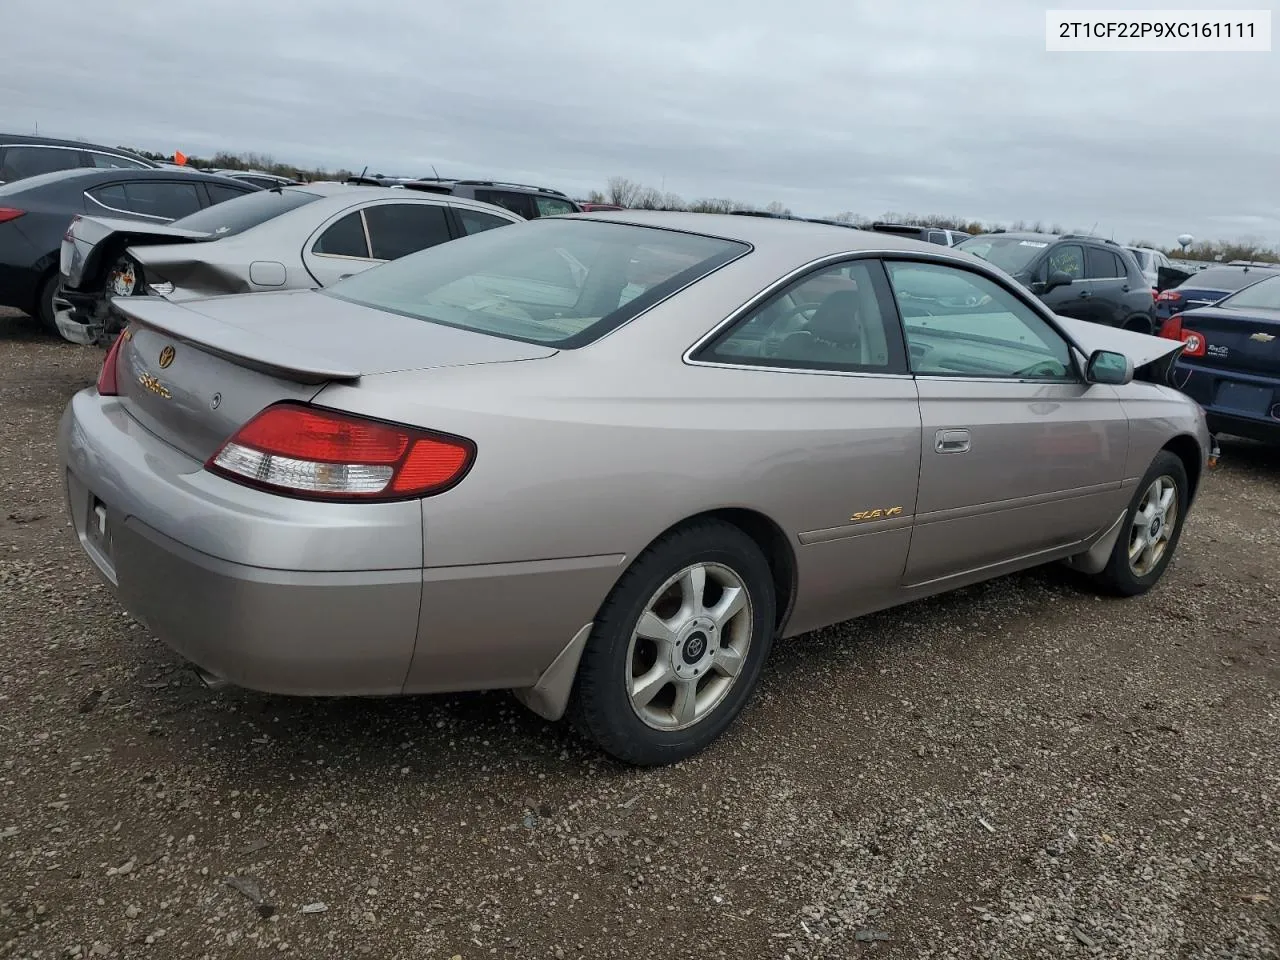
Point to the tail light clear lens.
(107, 385)
(1172, 329)
(322, 454)
(10, 213)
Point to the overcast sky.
(927, 106)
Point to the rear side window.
(552, 207)
(220, 193)
(20, 162)
(344, 239)
(399, 229)
(1103, 265)
(473, 221)
(520, 203)
(105, 161)
(235, 211)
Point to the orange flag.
(179, 158)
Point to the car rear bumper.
(299, 597)
(1240, 404)
(212, 568)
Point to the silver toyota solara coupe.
(606, 460)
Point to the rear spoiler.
(238, 344)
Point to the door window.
(399, 229)
(829, 320)
(1103, 265)
(1067, 258)
(22, 162)
(961, 324)
(346, 238)
(473, 221)
(162, 199)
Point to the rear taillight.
(1169, 296)
(10, 213)
(1172, 329)
(312, 452)
(107, 385)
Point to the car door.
(1072, 299)
(1108, 282)
(819, 370)
(1020, 457)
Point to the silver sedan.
(608, 460)
(286, 238)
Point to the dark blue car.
(1231, 363)
(1205, 287)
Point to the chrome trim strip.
(127, 213)
(999, 506)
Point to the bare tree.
(624, 192)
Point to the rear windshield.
(234, 216)
(563, 283)
(1264, 295)
(1224, 278)
(1010, 254)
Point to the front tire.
(1151, 531)
(678, 646)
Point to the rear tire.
(44, 304)
(1151, 531)
(1140, 324)
(677, 647)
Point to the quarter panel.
(579, 459)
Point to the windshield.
(234, 216)
(1142, 256)
(1010, 254)
(563, 283)
(1264, 295)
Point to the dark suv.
(529, 202)
(1076, 276)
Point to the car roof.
(93, 175)
(801, 238)
(36, 141)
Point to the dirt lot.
(1017, 770)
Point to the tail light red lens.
(1169, 296)
(10, 213)
(1172, 329)
(322, 454)
(107, 385)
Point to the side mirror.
(1058, 278)
(1107, 366)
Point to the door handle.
(951, 441)
(1085, 293)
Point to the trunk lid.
(1244, 340)
(89, 240)
(196, 372)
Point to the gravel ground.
(1019, 769)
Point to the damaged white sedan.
(286, 238)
